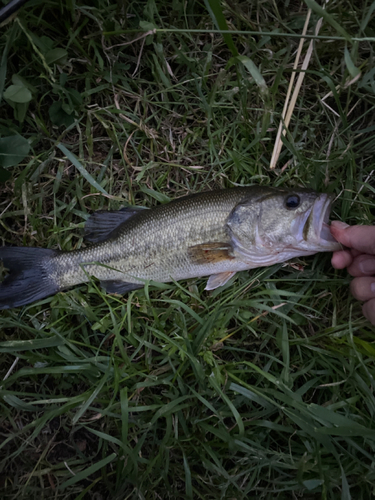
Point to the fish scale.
(153, 244)
(214, 234)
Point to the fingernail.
(338, 224)
(367, 266)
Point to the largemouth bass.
(211, 234)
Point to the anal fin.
(216, 280)
(209, 253)
(119, 287)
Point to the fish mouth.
(316, 229)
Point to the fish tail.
(30, 275)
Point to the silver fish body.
(212, 234)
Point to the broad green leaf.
(4, 175)
(44, 43)
(20, 110)
(58, 116)
(13, 150)
(19, 80)
(67, 108)
(56, 56)
(311, 484)
(18, 93)
(75, 96)
(146, 26)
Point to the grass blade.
(84, 474)
(315, 7)
(255, 73)
(217, 16)
(72, 158)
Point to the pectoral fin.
(208, 253)
(216, 280)
(102, 223)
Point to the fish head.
(283, 223)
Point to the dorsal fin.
(102, 223)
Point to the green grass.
(261, 389)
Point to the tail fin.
(28, 278)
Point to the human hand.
(359, 258)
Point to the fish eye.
(292, 201)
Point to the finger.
(361, 238)
(369, 310)
(363, 288)
(341, 259)
(362, 265)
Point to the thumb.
(361, 238)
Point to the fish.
(212, 233)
